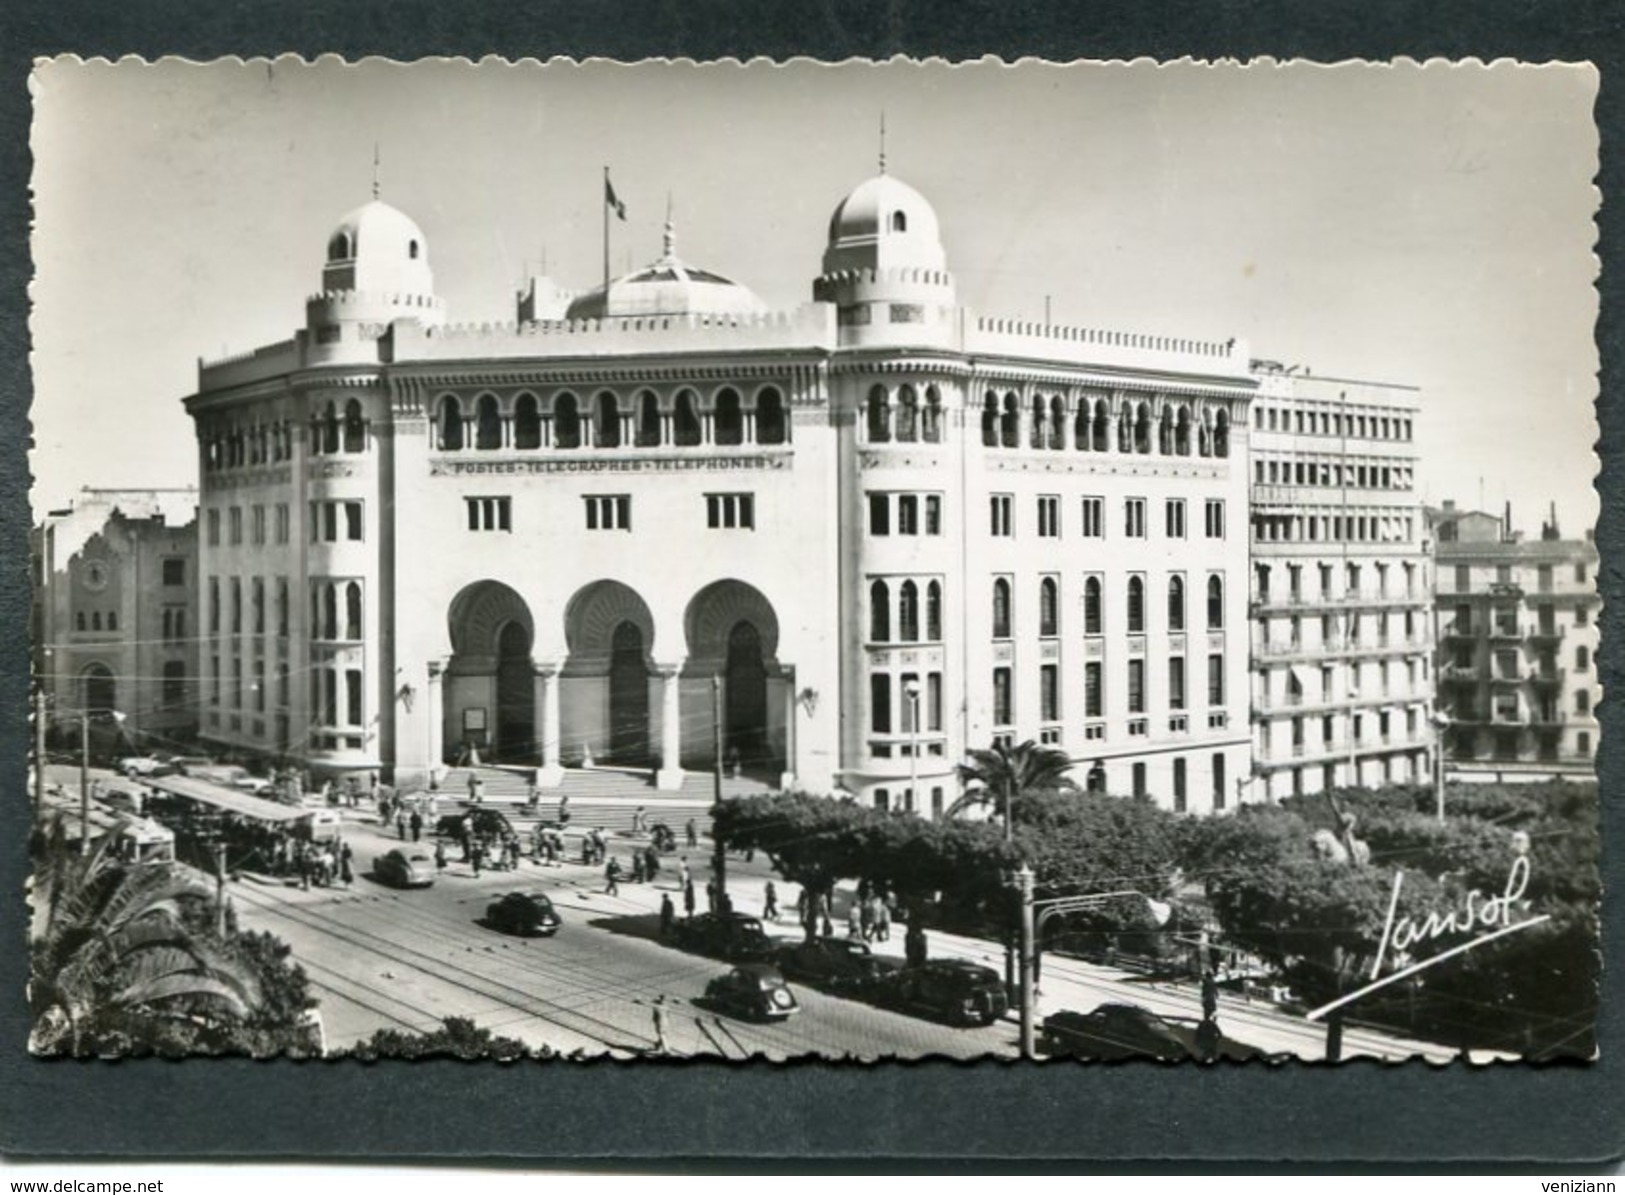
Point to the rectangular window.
(1218, 783)
(214, 679)
(1176, 682)
(174, 570)
(1002, 506)
(1174, 518)
(257, 526)
(259, 686)
(608, 512)
(1580, 573)
(1464, 578)
(1179, 786)
(352, 695)
(313, 516)
(879, 514)
(1049, 516)
(1582, 701)
(214, 528)
(236, 522)
(1215, 679)
(1582, 658)
(1094, 518)
(1094, 697)
(282, 522)
(880, 702)
(257, 594)
(493, 514)
(1138, 773)
(1003, 707)
(933, 701)
(1134, 518)
(1049, 693)
(933, 514)
(214, 605)
(1214, 521)
(730, 511)
(330, 522)
(352, 521)
(174, 683)
(1136, 686)
(908, 514)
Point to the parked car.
(190, 765)
(737, 937)
(134, 766)
(401, 870)
(838, 964)
(954, 990)
(523, 913)
(754, 990)
(1112, 1031)
(485, 823)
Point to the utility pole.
(39, 746)
(1024, 885)
(220, 890)
(720, 861)
(84, 782)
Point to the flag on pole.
(611, 199)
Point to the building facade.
(115, 614)
(844, 543)
(1341, 586)
(1518, 678)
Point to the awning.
(227, 799)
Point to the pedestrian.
(304, 869)
(1207, 1039)
(1210, 996)
(637, 867)
(475, 851)
(855, 926)
(638, 820)
(346, 864)
(883, 921)
(612, 878)
(416, 822)
(823, 908)
(668, 914)
(660, 1025)
(688, 899)
(514, 852)
(711, 895)
(400, 823)
(651, 863)
(439, 856)
(682, 872)
(770, 902)
(863, 911)
(473, 787)
(693, 834)
(327, 792)
(564, 812)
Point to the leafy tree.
(456, 1037)
(1001, 774)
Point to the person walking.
(882, 921)
(660, 1025)
(863, 912)
(682, 872)
(564, 812)
(638, 819)
(637, 867)
(693, 834)
(688, 899)
(651, 863)
(439, 856)
(475, 851)
(400, 823)
(416, 822)
(856, 927)
(770, 902)
(346, 864)
(612, 878)
(668, 914)
(1210, 996)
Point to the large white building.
(875, 531)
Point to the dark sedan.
(524, 913)
(836, 964)
(401, 870)
(754, 990)
(1116, 1031)
(953, 990)
(481, 823)
(737, 937)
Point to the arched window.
(352, 610)
(990, 420)
(487, 423)
(1165, 432)
(1040, 424)
(1182, 432)
(908, 415)
(899, 222)
(1136, 605)
(933, 612)
(648, 430)
(412, 250)
(330, 611)
(112, 620)
(685, 421)
(1102, 425)
(728, 419)
(1049, 607)
(450, 420)
(79, 620)
(1204, 438)
(1093, 614)
(1080, 427)
(1057, 422)
(606, 420)
(1009, 424)
(879, 613)
(1001, 609)
(527, 422)
(330, 432)
(355, 431)
(1215, 604)
(770, 425)
(338, 249)
(1176, 603)
(1221, 434)
(1125, 428)
(931, 422)
(566, 422)
(1142, 430)
(878, 415)
(95, 620)
(908, 612)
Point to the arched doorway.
(516, 696)
(744, 720)
(100, 691)
(628, 697)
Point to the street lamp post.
(912, 692)
(1024, 885)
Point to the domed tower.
(668, 286)
(376, 272)
(884, 267)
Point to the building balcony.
(1545, 636)
(1338, 647)
(1296, 603)
(929, 744)
(1507, 678)
(1507, 634)
(1545, 678)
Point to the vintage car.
(401, 870)
(737, 937)
(834, 964)
(753, 990)
(523, 913)
(953, 990)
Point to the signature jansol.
(1491, 914)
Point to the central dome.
(667, 286)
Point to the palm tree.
(1004, 774)
(114, 945)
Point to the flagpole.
(605, 205)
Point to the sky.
(1427, 225)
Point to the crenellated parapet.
(1038, 341)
